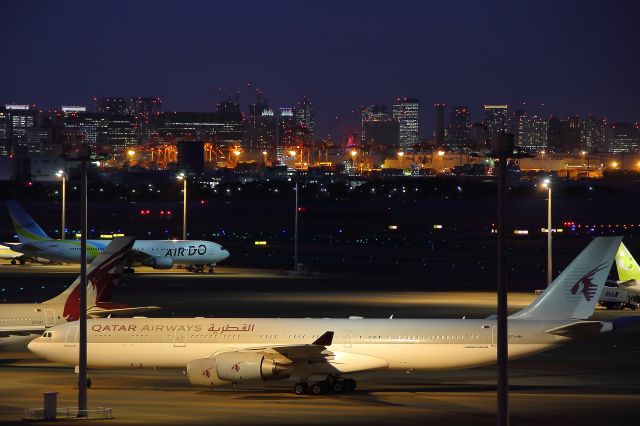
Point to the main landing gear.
(200, 268)
(330, 384)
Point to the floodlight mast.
(502, 148)
(83, 155)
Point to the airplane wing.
(97, 312)
(20, 331)
(137, 257)
(288, 354)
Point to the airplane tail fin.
(575, 292)
(26, 228)
(102, 275)
(627, 266)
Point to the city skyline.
(574, 66)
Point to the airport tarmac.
(591, 382)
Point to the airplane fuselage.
(22, 322)
(358, 344)
(189, 252)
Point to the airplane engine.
(202, 372)
(241, 366)
(160, 263)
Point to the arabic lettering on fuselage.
(186, 251)
(230, 328)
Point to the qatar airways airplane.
(159, 254)
(219, 351)
(22, 322)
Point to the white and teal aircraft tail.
(159, 254)
(628, 271)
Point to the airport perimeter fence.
(68, 413)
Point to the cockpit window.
(47, 334)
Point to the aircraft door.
(347, 335)
(72, 337)
(180, 339)
(49, 318)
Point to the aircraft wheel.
(318, 388)
(211, 270)
(13, 261)
(22, 261)
(88, 382)
(339, 386)
(300, 388)
(350, 384)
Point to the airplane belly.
(434, 357)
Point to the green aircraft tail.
(628, 268)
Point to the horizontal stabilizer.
(97, 312)
(577, 330)
(628, 283)
(20, 331)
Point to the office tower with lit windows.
(145, 106)
(261, 126)
(495, 118)
(439, 129)
(532, 133)
(459, 124)
(622, 137)
(405, 112)
(305, 121)
(379, 127)
(112, 105)
(286, 133)
(20, 119)
(594, 133)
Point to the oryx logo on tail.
(236, 367)
(585, 284)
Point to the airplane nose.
(33, 346)
(225, 254)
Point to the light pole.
(183, 178)
(61, 174)
(547, 185)
(401, 156)
(237, 153)
(295, 233)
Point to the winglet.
(325, 340)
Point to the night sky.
(574, 56)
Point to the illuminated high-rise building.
(495, 118)
(622, 137)
(532, 133)
(594, 134)
(379, 127)
(439, 129)
(21, 118)
(261, 127)
(459, 124)
(305, 121)
(286, 133)
(112, 105)
(405, 112)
